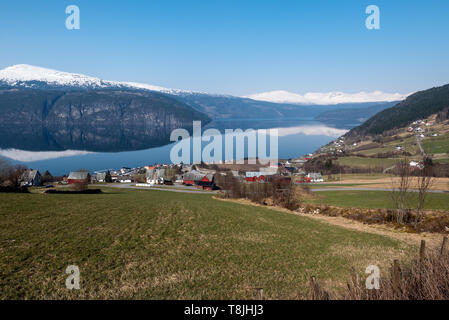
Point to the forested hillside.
(417, 106)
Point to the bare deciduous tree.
(424, 181)
(10, 175)
(400, 189)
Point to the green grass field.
(445, 160)
(358, 176)
(367, 162)
(136, 244)
(408, 143)
(376, 199)
(434, 145)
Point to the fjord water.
(296, 137)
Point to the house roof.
(254, 174)
(124, 178)
(315, 175)
(79, 175)
(198, 176)
(29, 175)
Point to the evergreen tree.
(108, 177)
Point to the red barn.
(200, 180)
(254, 176)
(78, 177)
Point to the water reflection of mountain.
(256, 124)
(126, 137)
(97, 139)
(101, 121)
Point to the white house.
(315, 177)
(31, 178)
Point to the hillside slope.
(417, 106)
(356, 115)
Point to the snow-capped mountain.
(329, 98)
(31, 76)
(24, 75)
(270, 105)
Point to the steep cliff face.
(97, 120)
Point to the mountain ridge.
(326, 98)
(418, 106)
(25, 75)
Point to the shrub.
(423, 279)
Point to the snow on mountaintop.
(326, 98)
(22, 73)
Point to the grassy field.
(163, 245)
(367, 162)
(337, 185)
(444, 160)
(408, 143)
(434, 145)
(376, 199)
(358, 177)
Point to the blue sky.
(236, 46)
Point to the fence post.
(422, 251)
(396, 275)
(443, 246)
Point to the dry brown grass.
(387, 182)
(423, 279)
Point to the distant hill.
(417, 106)
(354, 115)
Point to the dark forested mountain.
(98, 120)
(417, 106)
(230, 107)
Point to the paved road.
(177, 188)
(367, 189)
(418, 140)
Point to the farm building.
(30, 178)
(254, 176)
(189, 178)
(207, 182)
(201, 180)
(124, 179)
(155, 175)
(315, 177)
(78, 177)
(101, 176)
